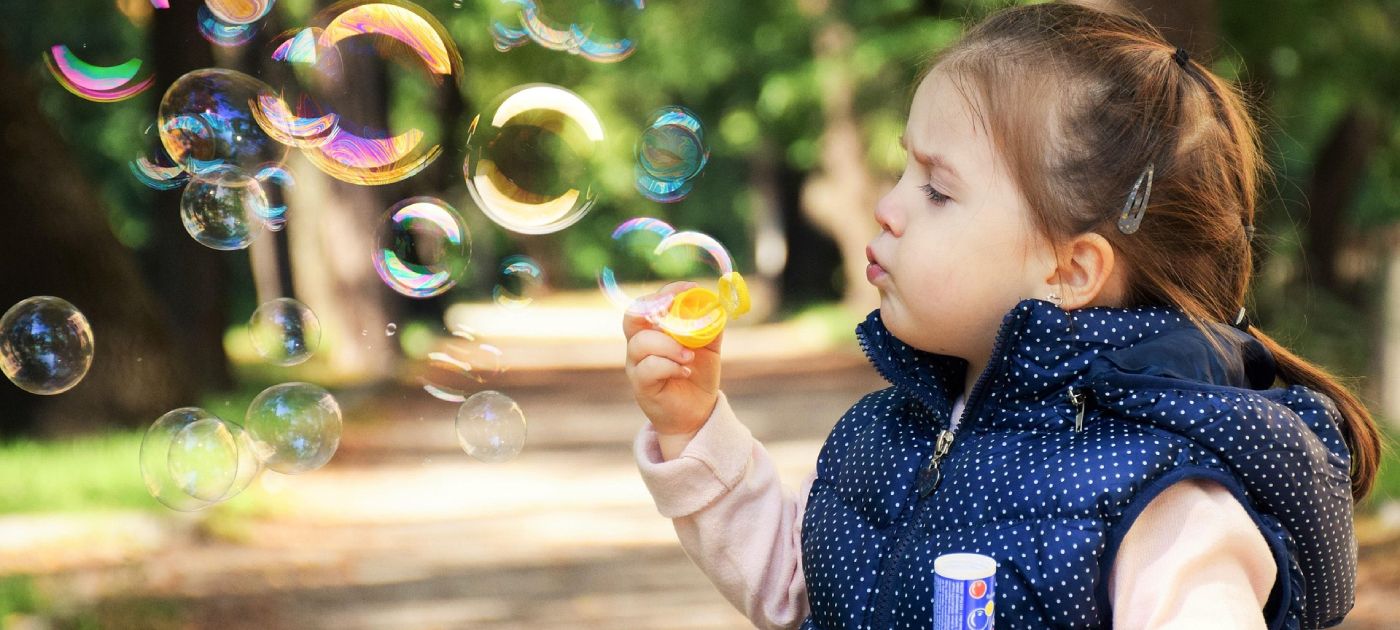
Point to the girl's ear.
(1087, 273)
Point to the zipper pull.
(931, 475)
(1078, 398)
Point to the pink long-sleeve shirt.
(1192, 559)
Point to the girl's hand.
(676, 387)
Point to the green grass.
(102, 473)
(83, 474)
(22, 601)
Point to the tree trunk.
(62, 245)
(1338, 171)
(839, 197)
(1190, 24)
(190, 279)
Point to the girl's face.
(957, 248)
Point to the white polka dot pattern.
(1051, 503)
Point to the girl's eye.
(933, 194)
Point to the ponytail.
(1363, 438)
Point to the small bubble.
(391, 329)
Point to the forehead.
(942, 120)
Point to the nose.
(887, 214)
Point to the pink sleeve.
(1192, 559)
(733, 516)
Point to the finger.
(656, 343)
(713, 346)
(653, 371)
(636, 317)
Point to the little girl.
(1076, 391)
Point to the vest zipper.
(1079, 399)
(884, 608)
(931, 475)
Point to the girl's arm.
(733, 516)
(1192, 559)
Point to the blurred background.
(801, 103)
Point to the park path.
(403, 530)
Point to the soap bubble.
(206, 121)
(530, 159)
(46, 345)
(285, 331)
(634, 268)
(103, 84)
(248, 464)
(239, 11)
(519, 280)
(191, 459)
(576, 38)
(491, 427)
(203, 459)
(223, 209)
(156, 170)
(464, 361)
(274, 180)
(305, 128)
(670, 153)
(318, 85)
(295, 427)
(422, 247)
(219, 32)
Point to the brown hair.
(1106, 98)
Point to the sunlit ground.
(402, 529)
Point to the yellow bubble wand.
(696, 316)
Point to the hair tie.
(1242, 321)
(1181, 56)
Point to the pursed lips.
(873, 271)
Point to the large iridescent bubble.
(530, 159)
(103, 84)
(239, 11)
(206, 123)
(303, 109)
(46, 345)
(422, 247)
(219, 32)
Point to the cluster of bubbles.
(192, 459)
(575, 39)
(531, 166)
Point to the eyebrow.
(933, 161)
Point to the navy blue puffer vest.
(1079, 420)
